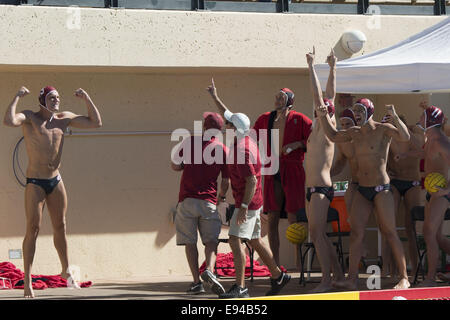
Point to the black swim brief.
(403, 186)
(47, 184)
(428, 197)
(327, 191)
(370, 192)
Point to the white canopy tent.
(420, 63)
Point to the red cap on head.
(212, 120)
(348, 113)
(43, 94)
(433, 117)
(368, 106)
(330, 106)
(290, 96)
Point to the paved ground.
(157, 288)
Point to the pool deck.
(170, 288)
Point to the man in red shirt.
(289, 145)
(244, 167)
(197, 202)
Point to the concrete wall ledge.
(57, 36)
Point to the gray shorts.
(249, 230)
(196, 214)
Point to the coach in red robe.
(284, 190)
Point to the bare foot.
(403, 284)
(444, 276)
(350, 285)
(71, 283)
(28, 292)
(322, 287)
(427, 283)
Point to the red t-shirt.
(244, 161)
(199, 179)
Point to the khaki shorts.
(249, 230)
(196, 214)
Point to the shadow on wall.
(114, 185)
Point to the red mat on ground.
(225, 260)
(40, 282)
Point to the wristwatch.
(223, 198)
(244, 205)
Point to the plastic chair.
(418, 214)
(251, 251)
(333, 215)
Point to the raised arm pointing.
(213, 92)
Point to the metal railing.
(415, 7)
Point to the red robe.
(14, 279)
(297, 128)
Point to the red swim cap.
(330, 106)
(43, 94)
(433, 117)
(348, 113)
(368, 106)
(290, 97)
(212, 120)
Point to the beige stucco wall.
(50, 36)
(147, 71)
